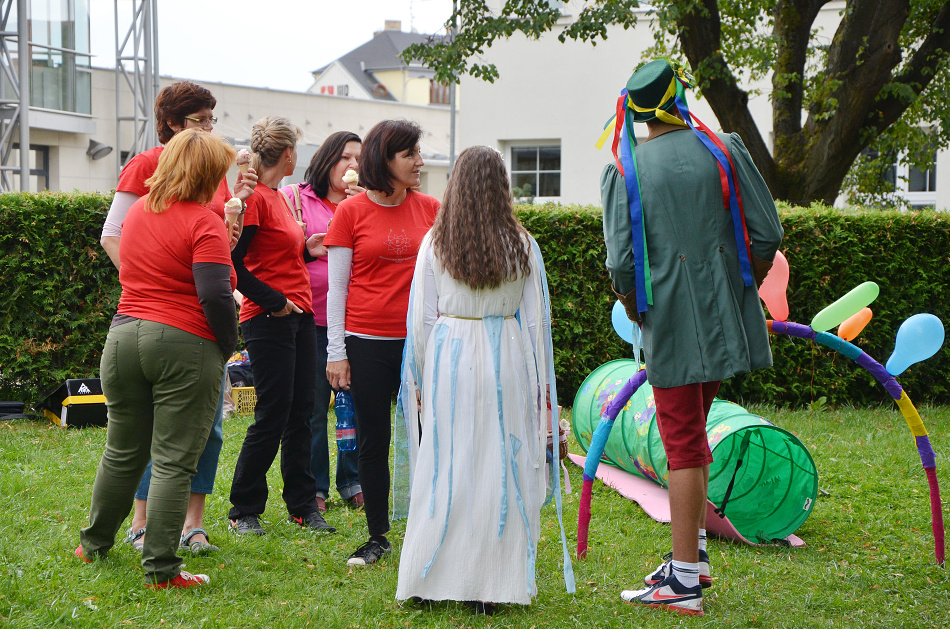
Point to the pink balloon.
(852, 326)
(773, 289)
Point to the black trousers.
(283, 353)
(374, 380)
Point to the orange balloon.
(851, 327)
(774, 287)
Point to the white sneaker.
(669, 594)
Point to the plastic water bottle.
(345, 424)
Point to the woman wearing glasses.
(182, 105)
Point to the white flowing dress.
(479, 475)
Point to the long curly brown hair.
(476, 236)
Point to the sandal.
(197, 547)
(136, 538)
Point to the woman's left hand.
(353, 189)
(315, 246)
(235, 232)
(246, 182)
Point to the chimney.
(390, 25)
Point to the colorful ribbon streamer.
(928, 458)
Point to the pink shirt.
(316, 213)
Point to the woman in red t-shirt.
(280, 336)
(315, 202)
(179, 106)
(373, 241)
(164, 357)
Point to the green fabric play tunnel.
(764, 475)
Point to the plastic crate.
(245, 398)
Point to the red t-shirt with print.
(143, 166)
(385, 241)
(275, 255)
(157, 252)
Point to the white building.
(74, 108)
(550, 104)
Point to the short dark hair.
(379, 146)
(177, 101)
(326, 157)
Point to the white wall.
(554, 92)
(342, 84)
(237, 109)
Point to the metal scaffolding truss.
(14, 95)
(136, 74)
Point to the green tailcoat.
(704, 323)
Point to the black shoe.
(666, 568)
(481, 607)
(313, 521)
(246, 525)
(370, 552)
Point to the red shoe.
(321, 504)
(182, 580)
(356, 501)
(82, 555)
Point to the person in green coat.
(691, 230)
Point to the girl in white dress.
(478, 382)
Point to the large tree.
(879, 84)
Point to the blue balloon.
(918, 338)
(624, 327)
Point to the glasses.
(203, 121)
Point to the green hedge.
(60, 290)
(829, 252)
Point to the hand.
(338, 374)
(246, 182)
(419, 400)
(286, 310)
(235, 232)
(353, 189)
(315, 246)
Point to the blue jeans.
(347, 476)
(203, 480)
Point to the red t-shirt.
(275, 255)
(143, 166)
(157, 251)
(385, 241)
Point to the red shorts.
(681, 419)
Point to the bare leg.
(194, 519)
(687, 510)
(138, 515)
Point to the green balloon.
(859, 297)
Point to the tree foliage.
(879, 85)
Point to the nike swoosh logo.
(668, 597)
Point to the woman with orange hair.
(164, 357)
(180, 106)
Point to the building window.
(917, 187)
(39, 167)
(60, 72)
(438, 93)
(538, 167)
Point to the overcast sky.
(269, 43)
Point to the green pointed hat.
(652, 87)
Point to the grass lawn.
(868, 561)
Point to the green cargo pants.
(161, 385)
